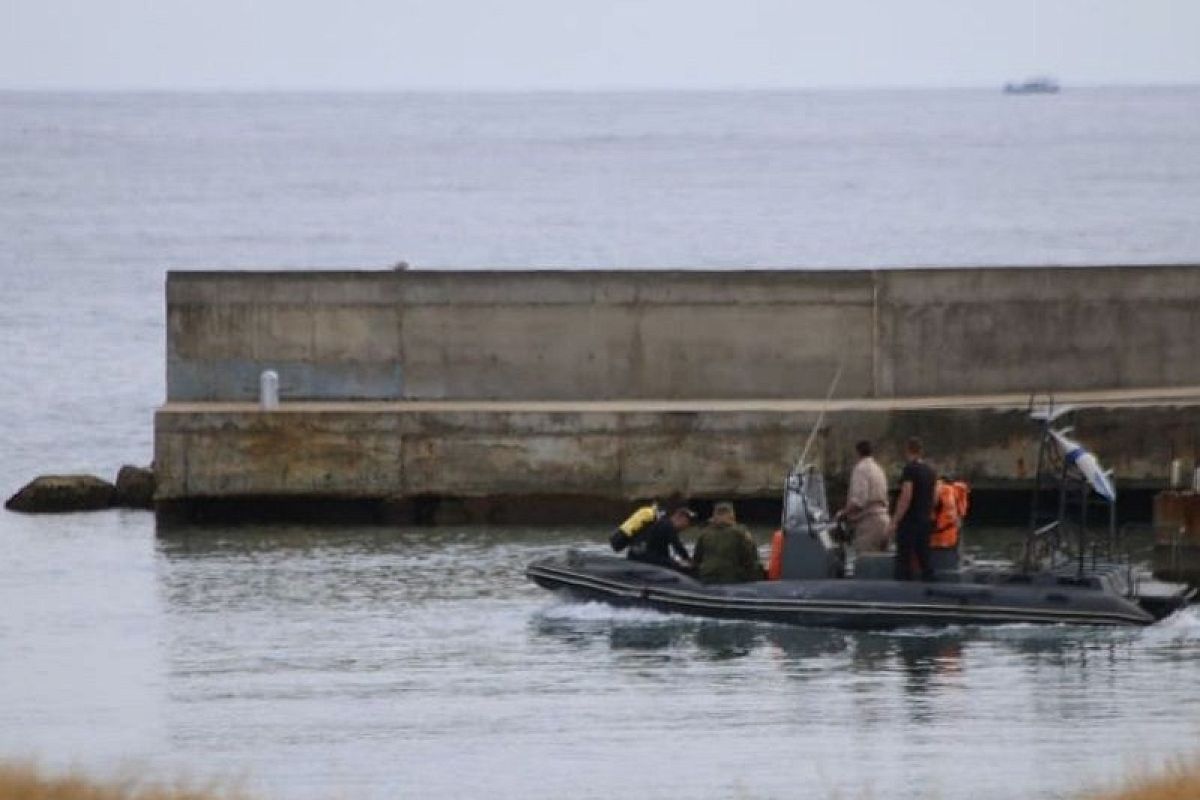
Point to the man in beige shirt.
(866, 507)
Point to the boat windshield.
(805, 509)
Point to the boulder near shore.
(48, 494)
(51, 493)
(135, 487)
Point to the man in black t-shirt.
(912, 522)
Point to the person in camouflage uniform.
(725, 551)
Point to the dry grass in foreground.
(1177, 781)
(27, 782)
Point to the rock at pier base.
(58, 493)
(135, 487)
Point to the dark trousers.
(912, 550)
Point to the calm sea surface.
(414, 663)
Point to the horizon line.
(597, 89)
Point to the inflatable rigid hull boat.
(821, 584)
(986, 596)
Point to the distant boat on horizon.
(1040, 85)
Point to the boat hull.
(838, 603)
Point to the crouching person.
(725, 551)
(637, 522)
(654, 543)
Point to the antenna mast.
(820, 418)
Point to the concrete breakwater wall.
(500, 461)
(402, 388)
(472, 335)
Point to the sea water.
(386, 662)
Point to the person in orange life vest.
(949, 509)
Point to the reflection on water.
(380, 662)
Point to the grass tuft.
(28, 782)
(1178, 780)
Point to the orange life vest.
(951, 499)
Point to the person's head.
(863, 448)
(681, 517)
(913, 448)
(723, 512)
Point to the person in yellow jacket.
(640, 519)
(659, 543)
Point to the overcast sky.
(590, 44)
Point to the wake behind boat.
(821, 585)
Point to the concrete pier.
(499, 393)
(1177, 536)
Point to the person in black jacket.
(645, 516)
(912, 523)
(654, 543)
